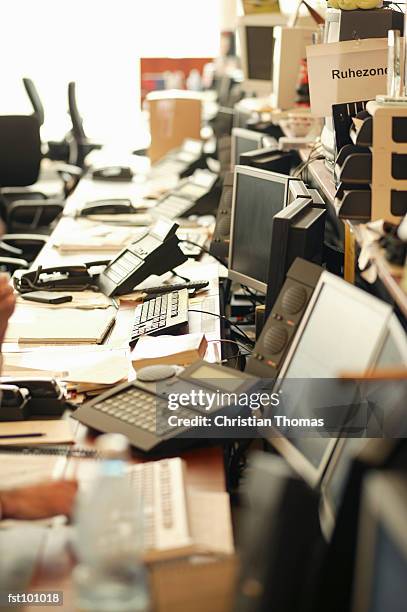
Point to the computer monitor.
(257, 196)
(392, 354)
(278, 535)
(298, 231)
(245, 140)
(256, 38)
(342, 329)
(381, 565)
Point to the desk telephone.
(23, 399)
(155, 252)
(111, 206)
(113, 173)
(140, 410)
(197, 195)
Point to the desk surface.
(205, 468)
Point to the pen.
(29, 435)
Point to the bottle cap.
(113, 446)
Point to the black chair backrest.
(35, 99)
(20, 150)
(77, 123)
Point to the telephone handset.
(59, 278)
(155, 252)
(111, 206)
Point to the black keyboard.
(164, 314)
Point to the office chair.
(20, 160)
(35, 100)
(55, 150)
(80, 145)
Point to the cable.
(213, 314)
(204, 250)
(184, 278)
(240, 344)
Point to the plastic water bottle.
(110, 574)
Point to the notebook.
(31, 325)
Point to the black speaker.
(221, 236)
(284, 318)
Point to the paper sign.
(348, 71)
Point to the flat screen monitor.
(243, 141)
(381, 564)
(257, 196)
(298, 231)
(256, 38)
(342, 329)
(392, 354)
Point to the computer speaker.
(285, 316)
(221, 236)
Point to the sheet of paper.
(53, 432)
(97, 367)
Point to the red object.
(152, 69)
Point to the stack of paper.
(96, 238)
(86, 367)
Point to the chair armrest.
(11, 264)
(8, 250)
(20, 194)
(70, 169)
(27, 246)
(26, 215)
(70, 175)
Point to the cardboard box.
(198, 584)
(174, 116)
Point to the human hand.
(7, 303)
(39, 501)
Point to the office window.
(98, 44)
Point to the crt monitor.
(342, 329)
(298, 231)
(381, 564)
(256, 39)
(257, 196)
(245, 140)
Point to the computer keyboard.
(160, 485)
(190, 250)
(171, 207)
(163, 314)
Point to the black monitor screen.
(243, 145)
(257, 201)
(389, 577)
(259, 44)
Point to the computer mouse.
(113, 173)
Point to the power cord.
(204, 250)
(214, 314)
